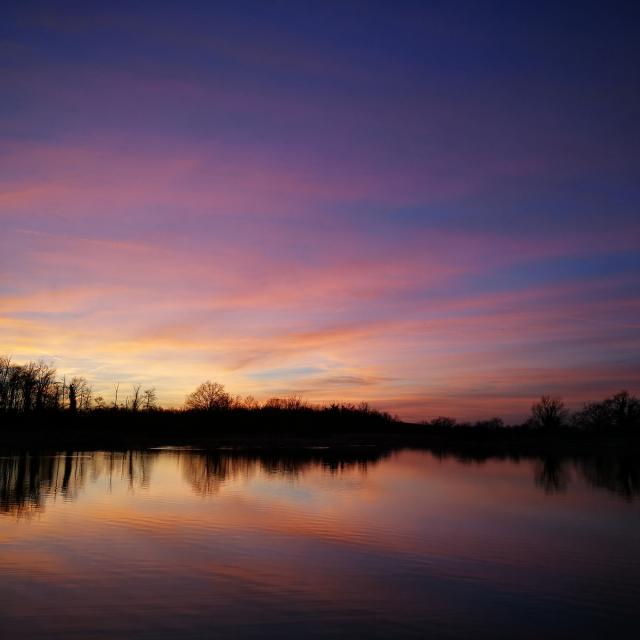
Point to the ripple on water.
(175, 542)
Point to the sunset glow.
(435, 215)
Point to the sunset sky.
(432, 206)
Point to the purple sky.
(431, 206)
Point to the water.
(316, 544)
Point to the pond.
(317, 543)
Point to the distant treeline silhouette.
(35, 388)
(618, 414)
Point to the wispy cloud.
(394, 213)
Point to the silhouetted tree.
(250, 403)
(620, 412)
(625, 411)
(492, 424)
(149, 399)
(44, 385)
(291, 403)
(135, 398)
(209, 396)
(79, 394)
(594, 416)
(73, 399)
(441, 422)
(549, 413)
(27, 387)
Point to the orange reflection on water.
(179, 542)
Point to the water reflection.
(27, 480)
(320, 543)
(552, 474)
(620, 474)
(206, 472)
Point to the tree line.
(37, 387)
(619, 413)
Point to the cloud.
(284, 210)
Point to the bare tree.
(290, 403)
(6, 383)
(209, 396)
(27, 387)
(251, 403)
(135, 400)
(85, 396)
(116, 386)
(149, 399)
(79, 394)
(620, 412)
(625, 410)
(44, 386)
(549, 413)
(28, 382)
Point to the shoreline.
(502, 442)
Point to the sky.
(430, 206)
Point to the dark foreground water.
(188, 544)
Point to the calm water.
(189, 544)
